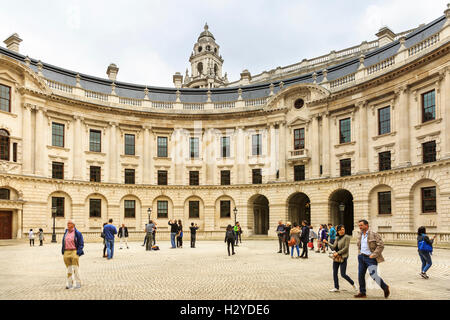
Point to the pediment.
(310, 92)
(5, 75)
(299, 120)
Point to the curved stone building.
(359, 133)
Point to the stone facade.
(36, 103)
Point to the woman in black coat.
(230, 238)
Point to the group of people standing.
(293, 235)
(40, 235)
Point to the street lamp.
(149, 212)
(341, 210)
(54, 217)
(235, 214)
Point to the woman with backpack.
(425, 248)
(295, 240)
(230, 238)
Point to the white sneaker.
(355, 289)
(334, 290)
(77, 286)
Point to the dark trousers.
(31, 242)
(305, 249)
(193, 240)
(230, 242)
(280, 242)
(365, 263)
(154, 238)
(145, 240)
(425, 257)
(343, 266)
(286, 245)
(149, 241)
(236, 235)
(240, 239)
(179, 241)
(41, 242)
(104, 248)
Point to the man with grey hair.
(72, 249)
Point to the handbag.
(310, 245)
(102, 235)
(337, 258)
(292, 242)
(423, 246)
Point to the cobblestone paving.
(257, 271)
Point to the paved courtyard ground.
(257, 271)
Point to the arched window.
(200, 68)
(216, 69)
(200, 49)
(4, 145)
(208, 48)
(5, 194)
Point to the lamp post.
(149, 212)
(54, 217)
(341, 210)
(235, 210)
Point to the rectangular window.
(225, 177)
(194, 209)
(225, 147)
(225, 206)
(344, 130)
(346, 167)
(429, 199)
(95, 208)
(58, 203)
(130, 208)
(95, 141)
(95, 174)
(162, 177)
(428, 106)
(256, 145)
(15, 151)
(129, 176)
(256, 176)
(4, 145)
(194, 178)
(129, 144)
(384, 120)
(163, 209)
(299, 173)
(5, 98)
(384, 202)
(299, 139)
(57, 134)
(194, 148)
(384, 160)
(4, 194)
(429, 151)
(162, 147)
(57, 170)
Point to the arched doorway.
(261, 215)
(341, 209)
(299, 208)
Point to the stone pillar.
(179, 145)
(315, 152)
(27, 152)
(19, 223)
(240, 156)
(445, 105)
(363, 140)
(77, 149)
(146, 156)
(113, 152)
(39, 143)
(208, 143)
(326, 170)
(273, 153)
(403, 127)
(283, 151)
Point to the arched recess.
(258, 212)
(63, 202)
(338, 200)
(198, 219)
(299, 208)
(96, 210)
(165, 211)
(223, 213)
(421, 202)
(9, 193)
(381, 207)
(126, 210)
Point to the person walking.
(331, 233)
(110, 230)
(295, 239)
(286, 237)
(72, 250)
(154, 232)
(236, 234)
(370, 246)
(280, 233)
(149, 235)
(425, 249)
(41, 237)
(319, 238)
(312, 236)
(340, 257)
(31, 237)
(239, 232)
(305, 239)
(104, 241)
(180, 235)
(230, 238)
(123, 235)
(173, 232)
(194, 229)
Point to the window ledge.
(427, 123)
(129, 156)
(162, 158)
(95, 153)
(345, 144)
(385, 135)
(428, 213)
(9, 113)
(58, 148)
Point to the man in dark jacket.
(72, 249)
(280, 232)
(123, 235)
(194, 229)
(305, 239)
(173, 232)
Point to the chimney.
(385, 36)
(12, 43)
(245, 77)
(177, 80)
(112, 72)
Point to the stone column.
(273, 153)
(113, 152)
(240, 156)
(326, 171)
(39, 143)
(445, 105)
(315, 152)
(146, 156)
(403, 127)
(178, 155)
(27, 152)
(363, 140)
(283, 151)
(77, 149)
(209, 152)
(19, 223)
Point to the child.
(31, 237)
(230, 238)
(41, 237)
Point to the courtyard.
(257, 271)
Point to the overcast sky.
(151, 40)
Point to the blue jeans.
(172, 239)
(298, 250)
(110, 248)
(365, 263)
(426, 260)
(343, 266)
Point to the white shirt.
(364, 244)
(31, 235)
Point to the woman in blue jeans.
(295, 233)
(425, 255)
